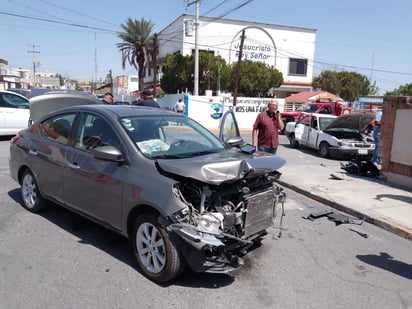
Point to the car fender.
(325, 137)
(290, 128)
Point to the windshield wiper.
(168, 156)
(200, 153)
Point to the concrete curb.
(387, 224)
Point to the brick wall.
(390, 168)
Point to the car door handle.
(33, 152)
(74, 166)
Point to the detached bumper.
(350, 153)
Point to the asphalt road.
(58, 260)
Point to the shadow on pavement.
(114, 244)
(386, 262)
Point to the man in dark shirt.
(108, 98)
(266, 127)
(147, 100)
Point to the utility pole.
(218, 75)
(95, 66)
(196, 74)
(154, 59)
(242, 38)
(208, 69)
(196, 86)
(34, 52)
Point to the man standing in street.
(376, 159)
(265, 129)
(147, 100)
(108, 98)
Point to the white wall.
(209, 110)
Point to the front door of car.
(229, 129)
(94, 186)
(302, 130)
(313, 132)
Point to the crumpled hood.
(351, 121)
(226, 166)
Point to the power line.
(57, 22)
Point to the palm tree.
(136, 46)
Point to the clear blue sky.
(373, 38)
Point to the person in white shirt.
(180, 106)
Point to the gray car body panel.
(187, 192)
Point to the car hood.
(352, 121)
(226, 166)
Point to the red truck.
(321, 106)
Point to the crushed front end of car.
(227, 217)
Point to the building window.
(298, 67)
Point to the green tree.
(348, 85)
(176, 76)
(256, 78)
(138, 42)
(403, 90)
(178, 72)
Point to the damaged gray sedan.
(181, 195)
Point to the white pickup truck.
(332, 136)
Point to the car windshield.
(170, 137)
(309, 108)
(325, 121)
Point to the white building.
(288, 49)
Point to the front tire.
(157, 256)
(324, 150)
(32, 198)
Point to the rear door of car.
(94, 186)
(48, 154)
(14, 113)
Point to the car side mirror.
(108, 153)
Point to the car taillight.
(14, 139)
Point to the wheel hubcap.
(150, 247)
(29, 191)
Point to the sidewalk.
(370, 198)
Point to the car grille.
(260, 212)
(360, 145)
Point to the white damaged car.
(335, 137)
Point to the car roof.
(121, 110)
(320, 115)
(113, 111)
(14, 93)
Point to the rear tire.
(157, 256)
(32, 198)
(293, 142)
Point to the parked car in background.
(14, 112)
(122, 103)
(182, 196)
(21, 91)
(337, 137)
